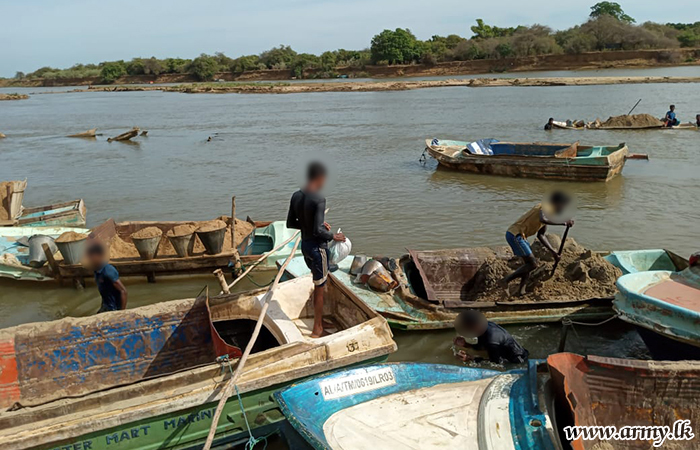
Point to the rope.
(566, 321)
(252, 440)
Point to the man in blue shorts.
(533, 222)
(112, 290)
(307, 213)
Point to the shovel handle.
(561, 248)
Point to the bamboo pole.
(259, 260)
(222, 281)
(228, 389)
(233, 223)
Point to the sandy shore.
(13, 97)
(378, 86)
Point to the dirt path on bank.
(379, 86)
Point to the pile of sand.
(581, 275)
(121, 248)
(212, 225)
(71, 236)
(182, 230)
(633, 121)
(147, 233)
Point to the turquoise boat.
(16, 264)
(420, 406)
(151, 377)
(664, 306)
(633, 261)
(67, 214)
(553, 161)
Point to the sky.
(60, 33)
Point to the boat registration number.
(357, 384)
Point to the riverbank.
(556, 62)
(380, 86)
(13, 97)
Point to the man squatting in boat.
(534, 221)
(499, 345)
(111, 288)
(307, 213)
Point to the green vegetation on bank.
(608, 28)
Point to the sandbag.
(340, 250)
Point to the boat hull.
(669, 323)
(68, 214)
(601, 168)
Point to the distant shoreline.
(381, 86)
(627, 59)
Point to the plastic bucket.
(213, 240)
(183, 245)
(147, 247)
(72, 251)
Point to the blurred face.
(559, 208)
(317, 183)
(673, 108)
(95, 261)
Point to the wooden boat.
(562, 125)
(571, 162)
(664, 306)
(420, 406)
(633, 261)
(14, 256)
(151, 377)
(431, 291)
(595, 391)
(66, 214)
(264, 237)
(91, 133)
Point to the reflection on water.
(379, 193)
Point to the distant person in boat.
(498, 345)
(550, 124)
(534, 221)
(112, 290)
(697, 120)
(670, 118)
(307, 213)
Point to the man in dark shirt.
(500, 345)
(549, 125)
(307, 213)
(112, 290)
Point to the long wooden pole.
(228, 390)
(233, 223)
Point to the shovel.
(561, 250)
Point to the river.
(378, 192)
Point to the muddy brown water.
(379, 194)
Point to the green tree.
(483, 31)
(610, 9)
(135, 67)
(176, 65)
(395, 47)
(111, 71)
(19, 76)
(278, 57)
(243, 63)
(152, 66)
(203, 67)
(302, 62)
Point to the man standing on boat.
(533, 222)
(307, 210)
(112, 290)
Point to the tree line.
(608, 28)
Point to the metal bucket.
(183, 245)
(37, 257)
(72, 251)
(357, 263)
(147, 247)
(213, 240)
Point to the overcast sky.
(60, 33)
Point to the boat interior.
(564, 150)
(679, 289)
(71, 365)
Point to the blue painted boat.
(16, 264)
(67, 214)
(664, 306)
(567, 161)
(426, 406)
(633, 261)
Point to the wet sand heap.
(71, 236)
(581, 275)
(181, 230)
(213, 225)
(633, 121)
(147, 233)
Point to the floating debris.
(125, 136)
